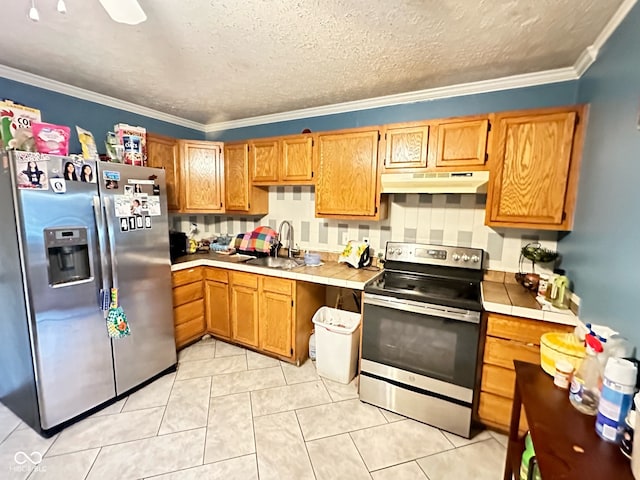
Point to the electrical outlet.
(365, 239)
(345, 238)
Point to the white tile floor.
(229, 413)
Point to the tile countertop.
(513, 299)
(331, 273)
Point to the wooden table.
(565, 440)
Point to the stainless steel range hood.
(435, 182)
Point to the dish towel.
(352, 253)
(259, 240)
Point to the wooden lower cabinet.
(244, 308)
(508, 338)
(493, 409)
(501, 352)
(267, 314)
(276, 316)
(188, 306)
(216, 295)
(498, 380)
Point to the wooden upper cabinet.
(406, 147)
(296, 165)
(201, 176)
(534, 169)
(162, 152)
(282, 160)
(240, 194)
(347, 181)
(462, 143)
(265, 156)
(236, 176)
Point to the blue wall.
(98, 119)
(602, 254)
(564, 93)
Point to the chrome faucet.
(289, 237)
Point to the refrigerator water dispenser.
(67, 255)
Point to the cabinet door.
(297, 159)
(244, 314)
(265, 156)
(347, 174)
(162, 152)
(276, 322)
(217, 308)
(236, 174)
(502, 353)
(495, 410)
(201, 177)
(189, 322)
(406, 147)
(531, 170)
(462, 143)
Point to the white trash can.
(337, 342)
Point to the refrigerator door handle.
(110, 225)
(102, 251)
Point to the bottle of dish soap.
(584, 392)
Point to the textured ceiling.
(218, 60)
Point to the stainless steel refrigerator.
(69, 231)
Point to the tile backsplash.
(450, 219)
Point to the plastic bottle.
(584, 392)
(526, 458)
(562, 295)
(618, 387)
(543, 285)
(312, 346)
(549, 295)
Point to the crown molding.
(483, 86)
(585, 60)
(77, 92)
(590, 54)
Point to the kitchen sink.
(274, 262)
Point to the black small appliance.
(177, 244)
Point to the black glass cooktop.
(422, 288)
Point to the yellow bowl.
(560, 346)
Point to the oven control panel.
(445, 255)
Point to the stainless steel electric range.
(421, 334)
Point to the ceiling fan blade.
(124, 11)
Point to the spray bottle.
(584, 393)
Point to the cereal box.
(134, 140)
(14, 117)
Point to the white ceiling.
(217, 60)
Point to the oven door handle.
(421, 308)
